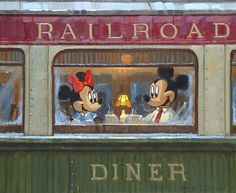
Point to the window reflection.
(114, 87)
(111, 82)
(11, 88)
(233, 85)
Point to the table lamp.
(123, 101)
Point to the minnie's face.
(89, 101)
(159, 97)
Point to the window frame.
(126, 128)
(233, 127)
(16, 128)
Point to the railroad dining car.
(117, 97)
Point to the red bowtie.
(158, 117)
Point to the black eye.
(95, 97)
(90, 97)
(152, 92)
(156, 91)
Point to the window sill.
(118, 142)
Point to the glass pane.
(233, 87)
(124, 95)
(11, 95)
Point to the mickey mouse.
(83, 97)
(163, 92)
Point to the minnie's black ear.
(64, 92)
(80, 76)
(182, 82)
(165, 72)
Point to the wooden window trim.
(15, 128)
(233, 127)
(125, 128)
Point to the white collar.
(164, 109)
(84, 114)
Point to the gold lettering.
(41, 32)
(145, 30)
(166, 36)
(110, 33)
(115, 175)
(227, 30)
(154, 172)
(194, 30)
(176, 169)
(103, 172)
(68, 31)
(131, 170)
(90, 31)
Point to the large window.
(123, 91)
(11, 90)
(233, 89)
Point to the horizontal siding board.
(71, 172)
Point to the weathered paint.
(214, 95)
(32, 129)
(71, 172)
(39, 91)
(133, 7)
(181, 30)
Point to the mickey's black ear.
(182, 82)
(64, 92)
(80, 76)
(165, 72)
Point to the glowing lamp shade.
(123, 101)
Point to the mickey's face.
(159, 96)
(89, 101)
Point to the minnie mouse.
(83, 97)
(163, 92)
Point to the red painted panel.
(118, 29)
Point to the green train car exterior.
(121, 49)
